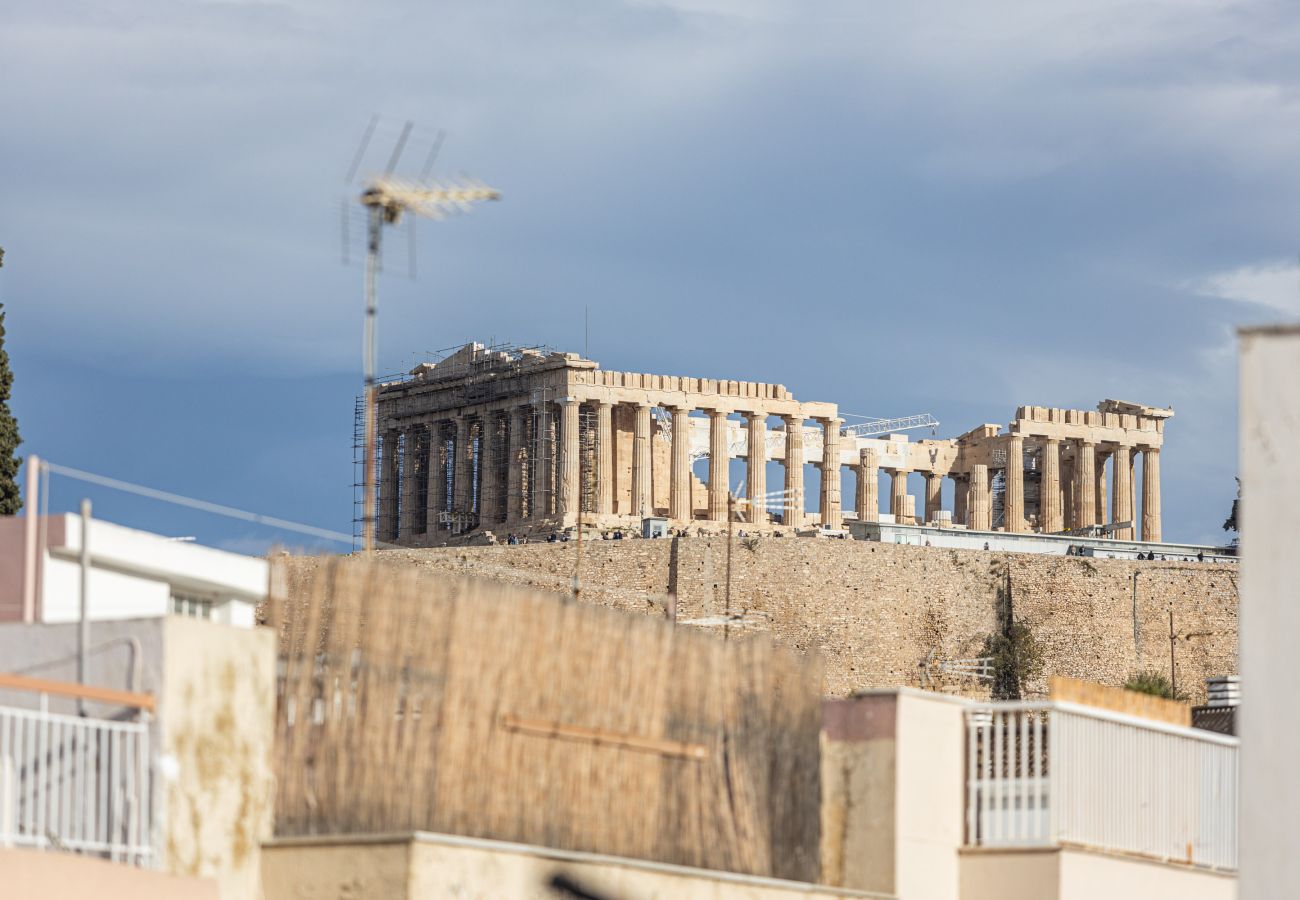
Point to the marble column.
(832, 512)
(1085, 484)
(680, 502)
(642, 503)
(1050, 491)
(1122, 491)
(570, 495)
(1099, 492)
(437, 477)
(981, 510)
(868, 496)
(545, 451)
(898, 496)
(1014, 504)
(933, 496)
(386, 513)
(604, 458)
(489, 450)
(794, 515)
(410, 439)
(756, 468)
(1151, 494)
(1069, 508)
(718, 459)
(515, 462)
(960, 504)
(462, 489)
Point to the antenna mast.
(386, 199)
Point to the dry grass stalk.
(399, 687)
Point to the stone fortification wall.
(879, 612)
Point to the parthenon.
(529, 440)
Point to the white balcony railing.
(76, 784)
(1041, 774)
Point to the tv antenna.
(386, 199)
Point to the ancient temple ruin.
(530, 440)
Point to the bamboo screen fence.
(410, 701)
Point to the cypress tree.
(10, 500)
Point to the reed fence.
(412, 701)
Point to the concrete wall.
(432, 866)
(1270, 729)
(893, 795)
(29, 873)
(211, 737)
(877, 612)
(1076, 874)
(217, 714)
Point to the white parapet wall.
(1270, 612)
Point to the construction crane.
(873, 426)
(386, 199)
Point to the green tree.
(10, 499)
(1230, 523)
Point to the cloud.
(1274, 285)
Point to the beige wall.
(892, 793)
(1270, 729)
(30, 873)
(216, 715)
(430, 866)
(877, 611)
(1077, 874)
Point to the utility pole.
(83, 626)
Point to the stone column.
(604, 458)
(1122, 490)
(680, 502)
(489, 500)
(898, 495)
(1069, 509)
(981, 510)
(756, 468)
(1085, 484)
(642, 502)
(544, 453)
(868, 487)
(461, 490)
(515, 465)
(933, 496)
(1014, 505)
(718, 459)
(570, 495)
(386, 514)
(1050, 493)
(437, 477)
(410, 437)
(1099, 492)
(831, 506)
(1151, 494)
(960, 505)
(793, 471)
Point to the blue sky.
(938, 206)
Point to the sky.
(942, 206)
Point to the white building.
(133, 574)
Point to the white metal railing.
(76, 784)
(1052, 773)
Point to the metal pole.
(731, 506)
(1173, 672)
(83, 626)
(30, 558)
(370, 352)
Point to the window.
(191, 605)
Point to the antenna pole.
(370, 353)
